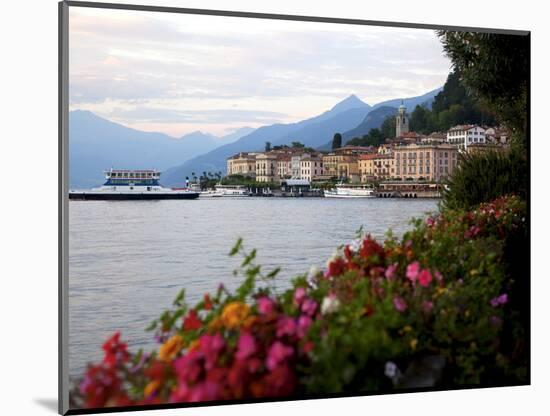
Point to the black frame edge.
(63, 175)
(278, 16)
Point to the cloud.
(197, 67)
(222, 116)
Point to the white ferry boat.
(233, 191)
(132, 185)
(350, 191)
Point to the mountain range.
(97, 143)
(350, 116)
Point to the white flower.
(314, 271)
(330, 304)
(355, 245)
(390, 370)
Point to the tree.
(420, 120)
(495, 69)
(373, 138)
(267, 146)
(388, 127)
(297, 145)
(337, 141)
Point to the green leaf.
(236, 248)
(249, 258)
(179, 298)
(273, 273)
(152, 325)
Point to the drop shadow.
(48, 404)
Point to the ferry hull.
(329, 195)
(151, 196)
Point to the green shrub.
(482, 177)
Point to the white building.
(311, 167)
(465, 135)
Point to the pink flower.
(399, 304)
(412, 271)
(278, 353)
(187, 367)
(503, 299)
(424, 278)
(265, 305)
(309, 306)
(246, 346)
(211, 346)
(304, 322)
(390, 271)
(299, 295)
(438, 276)
(205, 391)
(499, 300)
(430, 221)
(286, 326)
(427, 306)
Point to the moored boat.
(350, 191)
(132, 185)
(233, 191)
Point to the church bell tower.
(401, 121)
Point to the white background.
(28, 209)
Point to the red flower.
(371, 248)
(100, 385)
(192, 322)
(336, 267)
(115, 351)
(207, 302)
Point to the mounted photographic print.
(268, 207)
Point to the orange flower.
(193, 344)
(151, 388)
(215, 324)
(170, 348)
(234, 314)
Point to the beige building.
(242, 164)
(266, 167)
(342, 163)
(284, 170)
(376, 166)
(432, 162)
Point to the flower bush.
(439, 307)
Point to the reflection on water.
(127, 260)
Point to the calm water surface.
(128, 259)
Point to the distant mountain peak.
(351, 101)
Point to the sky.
(176, 73)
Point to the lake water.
(128, 259)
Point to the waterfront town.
(407, 161)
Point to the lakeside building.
(311, 167)
(376, 166)
(497, 135)
(431, 162)
(266, 167)
(284, 166)
(435, 137)
(243, 163)
(464, 135)
(343, 164)
(478, 148)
